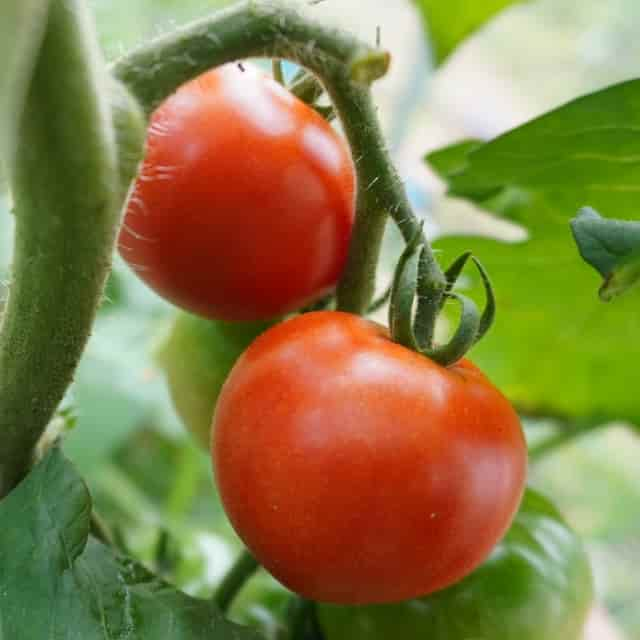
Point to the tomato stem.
(302, 620)
(306, 87)
(100, 530)
(345, 67)
(22, 27)
(379, 302)
(242, 569)
(278, 74)
(66, 190)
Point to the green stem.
(100, 530)
(65, 189)
(22, 28)
(307, 88)
(278, 74)
(380, 301)
(301, 619)
(344, 65)
(243, 568)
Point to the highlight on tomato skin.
(358, 471)
(244, 205)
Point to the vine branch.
(66, 196)
(243, 568)
(343, 64)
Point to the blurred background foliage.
(151, 482)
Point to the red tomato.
(358, 471)
(244, 205)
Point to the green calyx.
(418, 295)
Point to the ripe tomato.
(244, 205)
(358, 471)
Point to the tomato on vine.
(359, 471)
(244, 205)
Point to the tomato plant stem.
(22, 27)
(302, 620)
(278, 74)
(306, 87)
(100, 530)
(344, 65)
(243, 568)
(66, 194)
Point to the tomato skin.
(358, 471)
(244, 205)
(535, 585)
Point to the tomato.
(535, 585)
(244, 205)
(196, 356)
(358, 471)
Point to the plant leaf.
(555, 349)
(452, 159)
(611, 247)
(57, 582)
(449, 23)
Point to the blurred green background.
(150, 481)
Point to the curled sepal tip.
(465, 336)
(403, 293)
(453, 272)
(489, 313)
(413, 277)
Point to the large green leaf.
(555, 348)
(448, 23)
(57, 582)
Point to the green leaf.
(555, 349)
(449, 23)
(624, 276)
(611, 247)
(452, 159)
(589, 146)
(56, 582)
